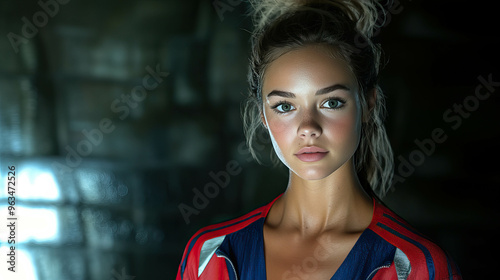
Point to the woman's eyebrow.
(326, 90)
(332, 88)
(285, 94)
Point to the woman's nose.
(309, 128)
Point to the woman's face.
(312, 111)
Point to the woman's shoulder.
(231, 225)
(213, 235)
(423, 254)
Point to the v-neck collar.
(244, 249)
(356, 257)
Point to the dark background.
(106, 206)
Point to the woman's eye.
(284, 107)
(333, 104)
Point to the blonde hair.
(346, 27)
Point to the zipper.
(375, 270)
(232, 266)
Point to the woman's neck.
(311, 207)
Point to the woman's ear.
(371, 99)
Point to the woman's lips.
(311, 154)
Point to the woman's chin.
(312, 173)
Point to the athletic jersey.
(388, 248)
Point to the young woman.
(313, 87)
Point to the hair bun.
(363, 12)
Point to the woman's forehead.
(306, 67)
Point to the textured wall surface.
(117, 114)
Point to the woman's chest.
(288, 257)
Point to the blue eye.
(334, 104)
(283, 107)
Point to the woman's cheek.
(342, 129)
(282, 134)
(280, 130)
